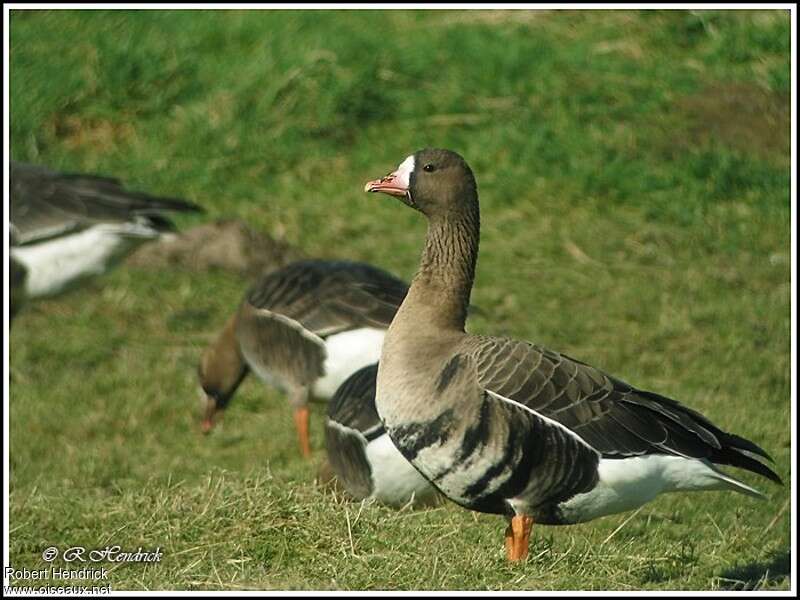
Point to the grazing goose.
(305, 328)
(508, 427)
(360, 453)
(66, 227)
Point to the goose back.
(328, 297)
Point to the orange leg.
(301, 422)
(518, 537)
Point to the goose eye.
(429, 167)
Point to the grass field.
(634, 173)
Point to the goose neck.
(441, 289)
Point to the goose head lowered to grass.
(508, 427)
(305, 328)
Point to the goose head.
(434, 181)
(221, 371)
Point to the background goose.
(305, 328)
(508, 427)
(360, 452)
(66, 227)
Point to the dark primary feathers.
(328, 297)
(612, 416)
(46, 203)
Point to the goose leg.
(299, 400)
(518, 537)
(301, 422)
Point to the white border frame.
(409, 6)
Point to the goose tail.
(731, 483)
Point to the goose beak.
(208, 418)
(392, 184)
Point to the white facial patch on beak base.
(403, 172)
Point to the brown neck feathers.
(443, 283)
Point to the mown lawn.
(634, 173)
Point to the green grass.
(634, 176)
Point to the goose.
(66, 227)
(303, 328)
(509, 427)
(360, 453)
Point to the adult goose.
(509, 427)
(66, 227)
(304, 328)
(361, 454)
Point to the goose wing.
(328, 297)
(352, 423)
(46, 204)
(276, 346)
(613, 417)
(353, 404)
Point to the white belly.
(395, 481)
(628, 483)
(56, 264)
(346, 353)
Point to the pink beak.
(209, 415)
(391, 184)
